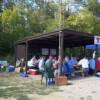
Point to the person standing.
(49, 67)
(41, 64)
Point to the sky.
(70, 3)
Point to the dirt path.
(84, 89)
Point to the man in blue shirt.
(92, 66)
(71, 64)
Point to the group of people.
(54, 67)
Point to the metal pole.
(96, 57)
(26, 58)
(60, 51)
(61, 44)
(15, 51)
(60, 38)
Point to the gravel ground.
(81, 89)
(30, 89)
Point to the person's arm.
(78, 64)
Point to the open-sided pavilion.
(54, 42)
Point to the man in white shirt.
(41, 64)
(84, 63)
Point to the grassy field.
(19, 88)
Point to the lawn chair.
(47, 74)
(43, 75)
(79, 71)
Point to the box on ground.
(61, 80)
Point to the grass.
(14, 86)
(23, 97)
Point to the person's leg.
(86, 71)
(90, 71)
(94, 72)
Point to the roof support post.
(15, 51)
(61, 51)
(61, 36)
(26, 56)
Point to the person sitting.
(72, 61)
(68, 66)
(18, 62)
(32, 63)
(10, 68)
(98, 64)
(65, 67)
(92, 66)
(22, 62)
(84, 63)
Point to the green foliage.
(84, 21)
(94, 7)
(52, 24)
(97, 27)
(51, 9)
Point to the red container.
(33, 72)
(98, 65)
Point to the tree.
(0, 5)
(94, 7)
(21, 20)
(84, 21)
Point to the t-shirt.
(84, 63)
(72, 62)
(41, 64)
(48, 63)
(92, 63)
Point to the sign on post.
(96, 39)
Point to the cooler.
(33, 72)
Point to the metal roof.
(71, 37)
